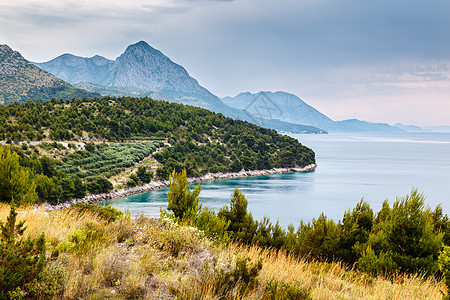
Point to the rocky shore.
(158, 184)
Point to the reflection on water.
(375, 167)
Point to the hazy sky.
(383, 61)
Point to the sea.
(376, 167)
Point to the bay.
(350, 167)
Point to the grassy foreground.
(105, 255)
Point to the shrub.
(21, 260)
(243, 275)
(444, 266)
(107, 213)
(276, 290)
(144, 175)
(131, 183)
(212, 225)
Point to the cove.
(350, 167)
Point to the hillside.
(171, 135)
(21, 81)
(97, 252)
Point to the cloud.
(326, 51)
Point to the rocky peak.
(11, 61)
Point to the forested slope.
(177, 136)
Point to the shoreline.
(159, 184)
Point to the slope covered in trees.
(198, 140)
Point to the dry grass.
(334, 281)
(149, 259)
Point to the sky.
(380, 61)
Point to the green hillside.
(109, 136)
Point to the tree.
(16, 182)
(183, 202)
(100, 185)
(402, 238)
(242, 226)
(21, 261)
(144, 175)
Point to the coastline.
(159, 184)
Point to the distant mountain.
(140, 67)
(281, 105)
(290, 108)
(75, 69)
(21, 81)
(409, 128)
(355, 125)
(143, 71)
(437, 128)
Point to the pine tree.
(183, 202)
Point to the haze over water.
(351, 166)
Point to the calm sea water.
(351, 166)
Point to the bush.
(107, 213)
(22, 260)
(444, 266)
(243, 275)
(131, 183)
(276, 290)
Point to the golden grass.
(334, 281)
(142, 258)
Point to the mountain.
(140, 67)
(437, 128)
(355, 125)
(75, 69)
(21, 81)
(290, 108)
(280, 105)
(409, 128)
(117, 91)
(144, 71)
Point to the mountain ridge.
(293, 109)
(22, 81)
(142, 70)
(145, 71)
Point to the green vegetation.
(26, 179)
(16, 183)
(406, 238)
(96, 252)
(107, 161)
(200, 141)
(22, 261)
